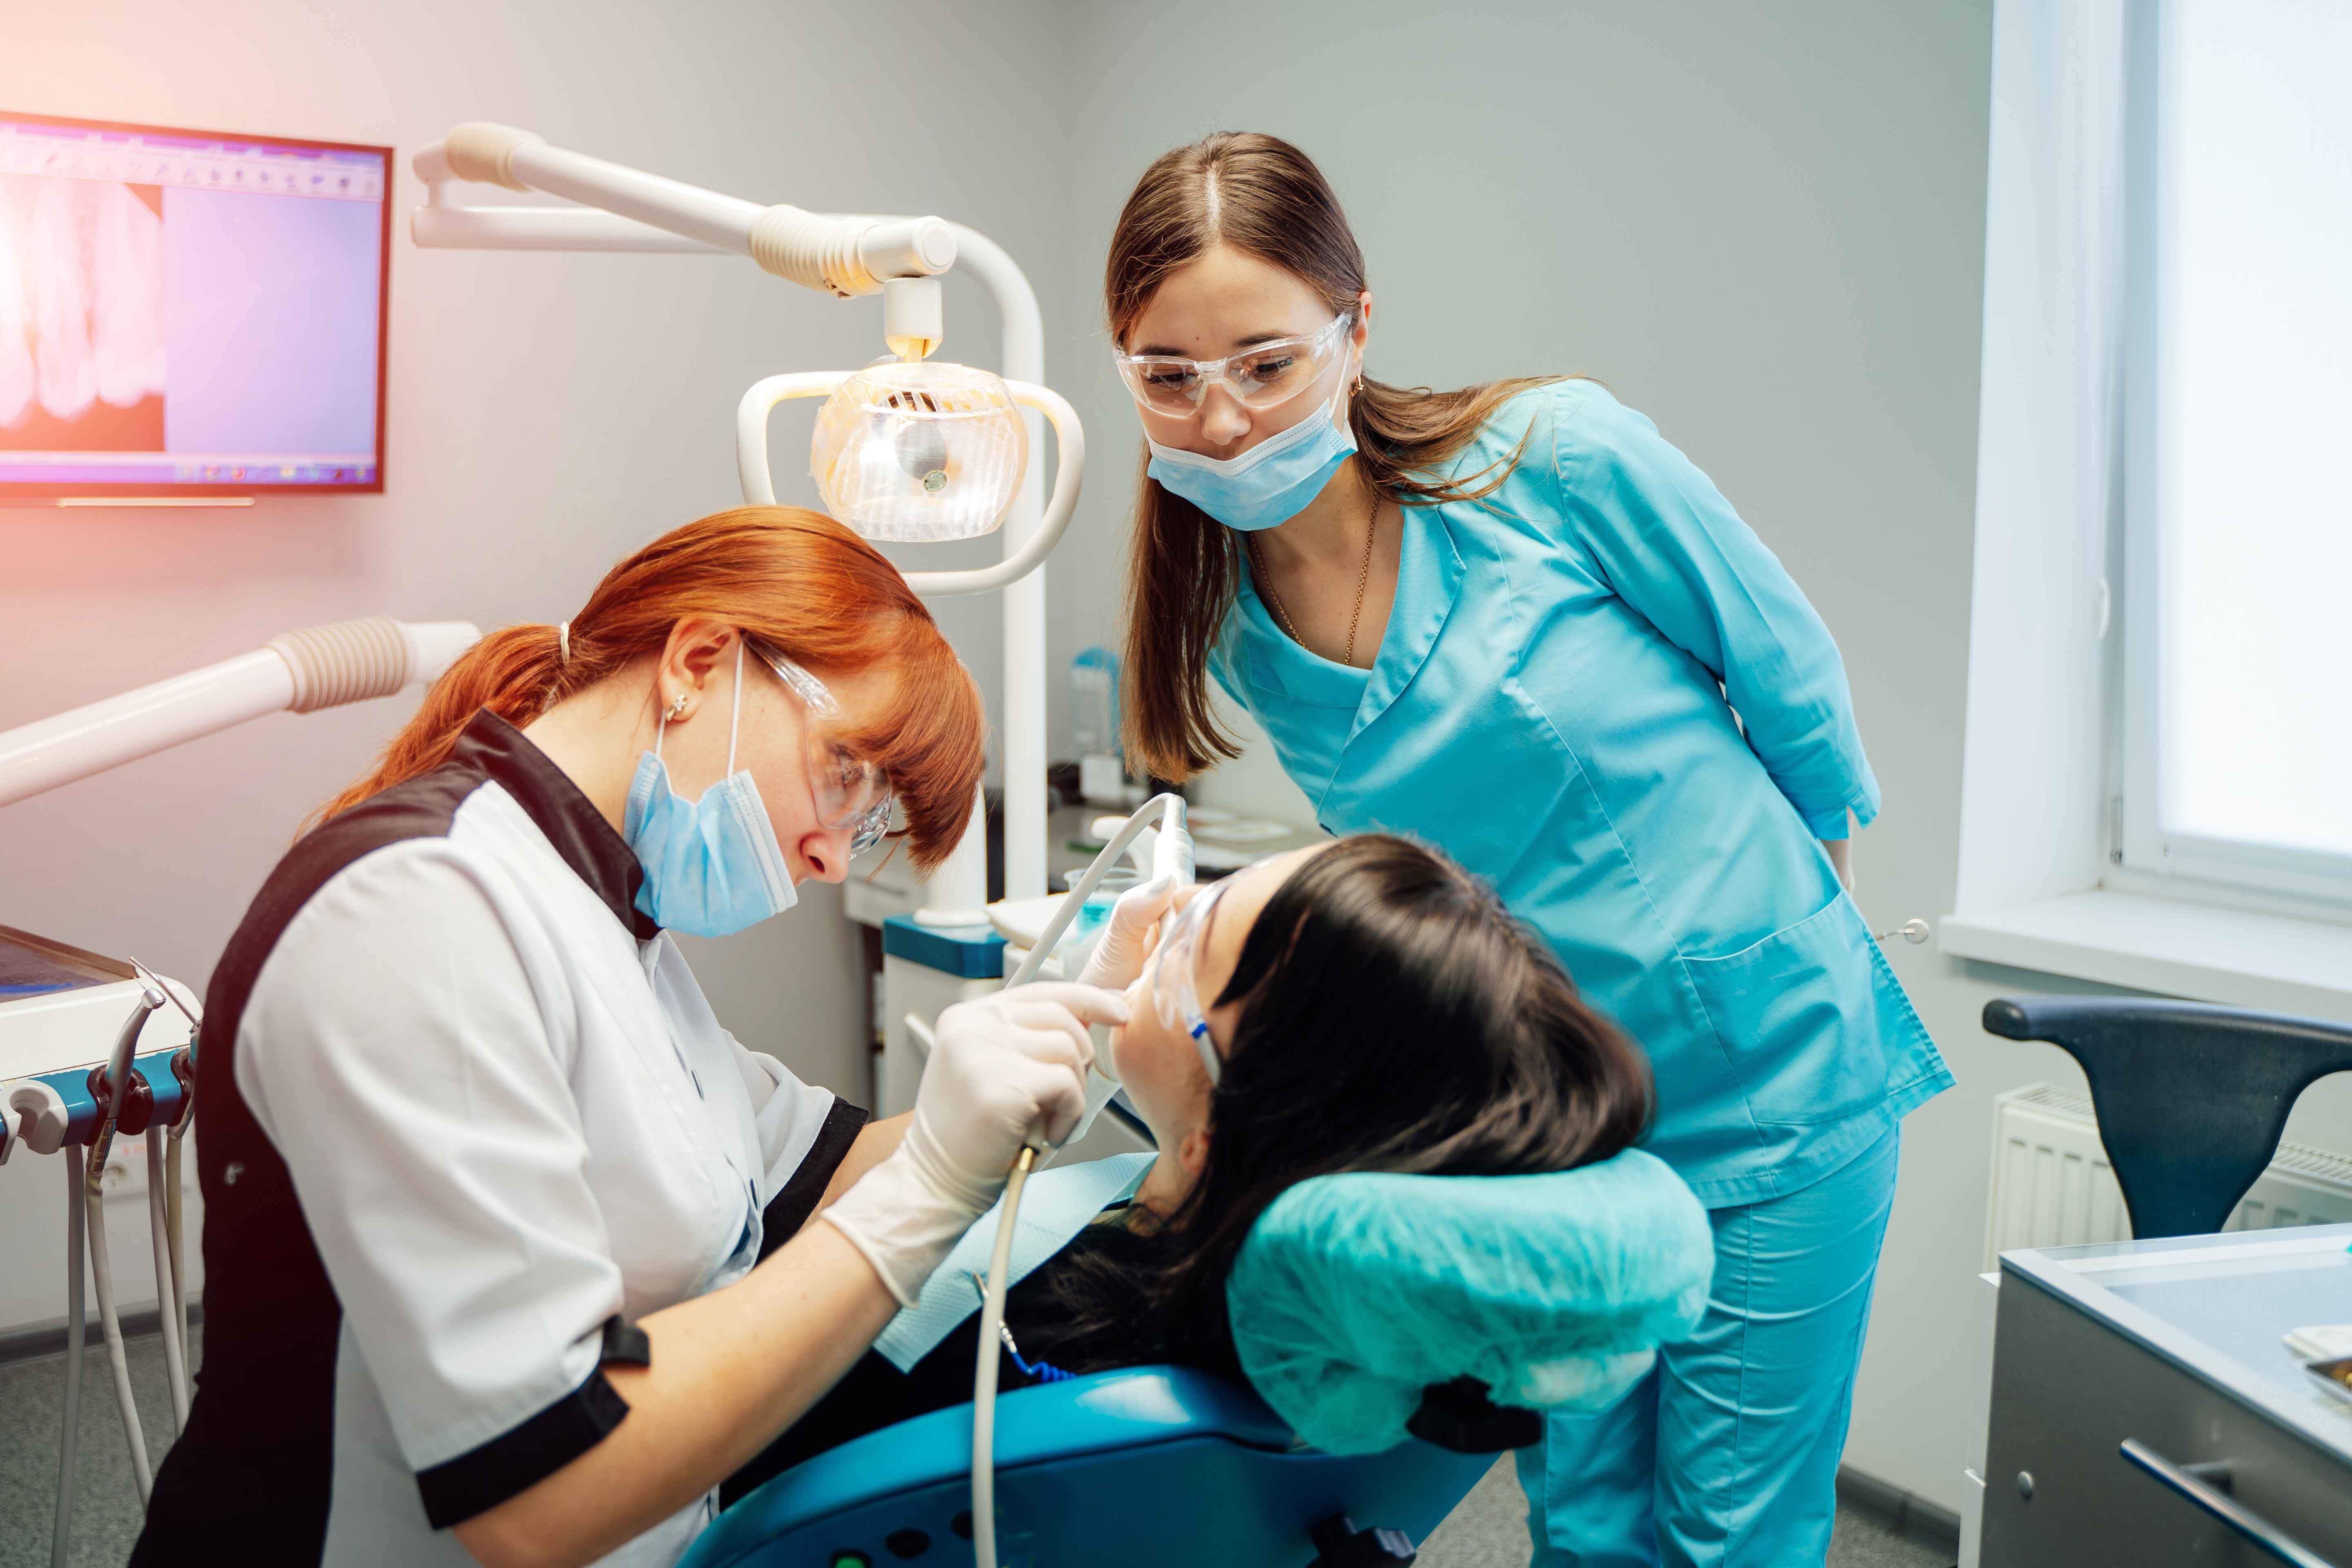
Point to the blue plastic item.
(1357, 1293)
(81, 1108)
(969, 953)
(1149, 1464)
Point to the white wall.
(1762, 225)
(546, 414)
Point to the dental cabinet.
(2146, 1409)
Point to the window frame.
(2143, 855)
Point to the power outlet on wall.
(124, 1176)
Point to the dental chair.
(1398, 1333)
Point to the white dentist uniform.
(466, 1117)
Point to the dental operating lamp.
(907, 449)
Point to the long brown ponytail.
(1265, 197)
(793, 577)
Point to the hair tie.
(563, 643)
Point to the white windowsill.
(2275, 963)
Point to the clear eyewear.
(1259, 377)
(1179, 1005)
(850, 792)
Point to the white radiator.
(2052, 1186)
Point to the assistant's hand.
(1119, 957)
(1007, 1069)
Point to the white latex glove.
(1007, 1070)
(1117, 958)
(1119, 953)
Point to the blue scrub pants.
(1726, 1454)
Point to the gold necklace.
(1364, 579)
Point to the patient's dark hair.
(1394, 1017)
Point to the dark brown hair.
(1393, 1016)
(1265, 198)
(792, 577)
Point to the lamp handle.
(760, 490)
(752, 424)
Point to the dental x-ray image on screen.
(185, 312)
(81, 315)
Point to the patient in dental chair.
(1369, 1005)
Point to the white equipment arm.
(625, 210)
(842, 256)
(347, 661)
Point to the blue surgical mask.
(712, 866)
(1269, 484)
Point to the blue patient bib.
(1055, 1206)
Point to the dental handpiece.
(1171, 851)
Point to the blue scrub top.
(1602, 692)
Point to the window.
(2235, 745)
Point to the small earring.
(677, 709)
(1358, 389)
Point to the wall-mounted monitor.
(189, 314)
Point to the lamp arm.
(842, 256)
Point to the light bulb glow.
(919, 451)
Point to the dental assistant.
(1514, 621)
(506, 1251)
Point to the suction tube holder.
(320, 666)
(1069, 468)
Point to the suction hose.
(1172, 855)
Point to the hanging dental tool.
(165, 1201)
(115, 1093)
(1170, 851)
(76, 1332)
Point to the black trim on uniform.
(790, 1208)
(479, 1479)
(259, 1467)
(625, 1342)
(570, 821)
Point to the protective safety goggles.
(1179, 1006)
(1259, 377)
(850, 792)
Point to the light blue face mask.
(713, 866)
(1269, 484)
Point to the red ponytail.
(792, 577)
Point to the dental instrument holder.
(844, 254)
(76, 1111)
(301, 671)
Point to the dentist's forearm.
(730, 1371)
(875, 1142)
